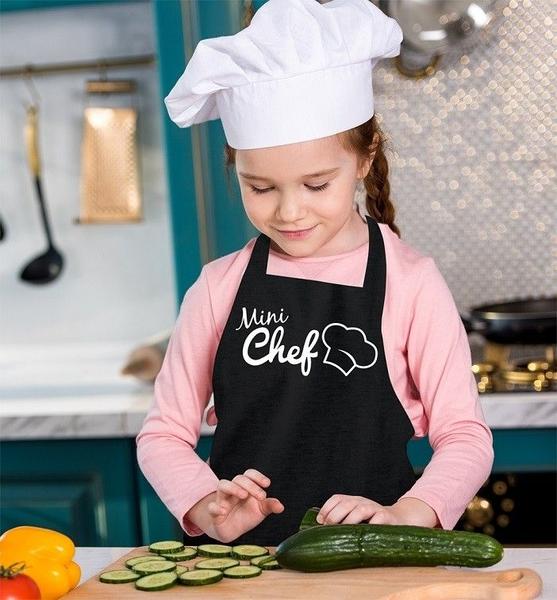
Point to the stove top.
(512, 368)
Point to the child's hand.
(241, 504)
(341, 508)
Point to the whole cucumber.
(334, 547)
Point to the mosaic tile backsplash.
(473, 158)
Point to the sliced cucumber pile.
(270, 562)
(156, 582)
(159, 570)
(186, 554)
(119, 576)
(214, 550)
(242, 571)
(247, 552)
(137, 559)
(217, 563)
(147, 567)
(200, 577)
(166, 547)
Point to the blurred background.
(108, 212)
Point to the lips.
(294, 230)
(297, 234)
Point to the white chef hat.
(300, 71)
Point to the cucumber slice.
(154, 566)
(118, 576)
(156, 582)
(166, 547)
(217, 563)
(309, 519)
(137, 559)
(269, 564)
(242, 571)
(181, 569)
(214, 550)
(186, 554)
(200, 577)
(247, 551)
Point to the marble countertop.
(543, 560)
(78, 392)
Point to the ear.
(365, 164)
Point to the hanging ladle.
(47, 266)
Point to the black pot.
(532, 321)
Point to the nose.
(290, 208)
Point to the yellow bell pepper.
(47, 555)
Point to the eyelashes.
(318, 188)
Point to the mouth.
(296, 234)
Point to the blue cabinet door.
(83, 488)
(92, 490)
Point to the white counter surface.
(543, 560)
(119, 411)
(78, 392)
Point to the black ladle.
(47, 266)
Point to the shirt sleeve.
(439, 360)
(170, 432)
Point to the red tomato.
(19, 587)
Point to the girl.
(328, 342)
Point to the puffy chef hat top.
(299, 71)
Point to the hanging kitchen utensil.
(47, 266)
(432, 28)
(109, 168)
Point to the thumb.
(381, 517)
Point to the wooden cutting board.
(393, 583)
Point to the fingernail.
(319, 519)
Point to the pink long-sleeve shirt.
(428, 359)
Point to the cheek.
(256, 207)
(332, 204)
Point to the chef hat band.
(300, 71)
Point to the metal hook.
(35, 96)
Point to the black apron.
(302, 393)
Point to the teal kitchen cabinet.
(92, 490)
(528, 450)
(83, 488)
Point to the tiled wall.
(474, 164)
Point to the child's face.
(287, 201)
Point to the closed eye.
(318, 188)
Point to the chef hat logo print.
(348, 348)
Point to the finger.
(257, 476)
(341, 510)
(272, 505)
(250, 486)
(360, 513)
(383, 517)
(227, 489)
(324, 511)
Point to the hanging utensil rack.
(69, 67)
